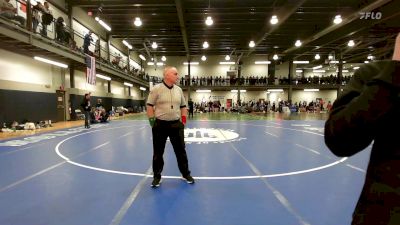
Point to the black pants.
(87, 119)
(190, 112)
(174, 130)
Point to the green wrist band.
(152, 121)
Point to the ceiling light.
(275, 90)
(227, 58)
(366, 61)
(154, 45)
(163, 58)
(338, 19)
(371, 57)
(319, 71)
(203, 58)
(150, 63)
(275, 57)
(317, 67)
(317, 57)
(51, 62)
(334, 61)
(97, 18)
(299, 71)
(137, 22)
(351, 43)
(142, 57)
(310, 90)
(128, 84)
(262, 62)
(330, 57)
(274, 20)
(227, 63)
(102, 23)
(142, 88)
(203, 91)
(298, 43)
(191, 63)
(301, 62)
(127, 44)
(356, 68)
(236, 91)
(205, 44)
(34, 2)
(160, 64)
(103, 77)
(209, 21)
(252, 44)
(343, 71)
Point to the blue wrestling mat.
(247, 172)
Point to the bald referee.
(166, 105)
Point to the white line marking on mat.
(309, 149)
(356, 168)
(271, 134)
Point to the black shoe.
(156, 182)
(189, 179)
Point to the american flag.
(90, 70)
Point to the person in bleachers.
(99, 104)
(98, 115)
(103, 115)
(47, 18)
(93, 116)
(36, 16)
(329, 106)
(8, 11)
(61, 34)
(117, 60)
(86, 42)
(97, 48)
(73, 46)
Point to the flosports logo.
(370, 15)
(210, 135)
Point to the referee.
(166, 105)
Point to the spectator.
(8, 11)
(47, 18)
(36, 16)
(61, 34)
(86, 42)
(86, 108)
(190, 103)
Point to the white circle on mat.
(57, 150)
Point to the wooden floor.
(55, 126)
